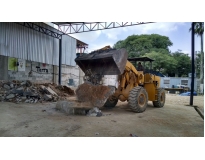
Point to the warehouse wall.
(31, 73)
(24, 43)
(37, 76)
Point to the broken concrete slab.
(69, 108)
(42, 87)
(19, 91)
(10, 96)
(6, 86)
(12, 85)
(49, 90)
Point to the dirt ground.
(175, 119)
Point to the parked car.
(188, 94)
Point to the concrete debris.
(50, 91)
(6, 86)
(12, 85)
(10, 96)
(69, 108)
(97, 95)
(27, 92)
(94, 112)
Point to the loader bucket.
(105, 62)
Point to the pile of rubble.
(25, 91)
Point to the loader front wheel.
(138, 99)
(160, 98)
(111, 102)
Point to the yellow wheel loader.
(136, 87)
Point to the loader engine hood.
(104, 62)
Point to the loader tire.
(160, 98)
(138, 99)
(111, 102)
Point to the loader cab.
(145, 61)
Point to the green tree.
(138, 45)
(183, 63)
(198, 64)
(163, 63)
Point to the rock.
(36, 100)
(1, 95)
(47, 97)
(28, 83)
(23, 83)
(12, 85)
(23, 98)
(6, 86)
(27, 101)
(19, 91)
(94, 112)
(10, 96)
(27, 93)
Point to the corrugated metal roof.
(21, 42)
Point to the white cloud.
(156, 27)
(87, 37)
(101, 38)
(114, 33)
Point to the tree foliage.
(183, 63)
(156, 47)
(138, 45)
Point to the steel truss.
(54, 34)
(79, 27)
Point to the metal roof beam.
(40, 29)
(79, 27)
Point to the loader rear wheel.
(111, 102)
(160, 98)
(138, 99)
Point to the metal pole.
(192, 63)
(60, 60)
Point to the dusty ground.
(175, 119)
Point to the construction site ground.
(175, 119)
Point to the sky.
(178, 33)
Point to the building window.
(166, 81)
(184, 82)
